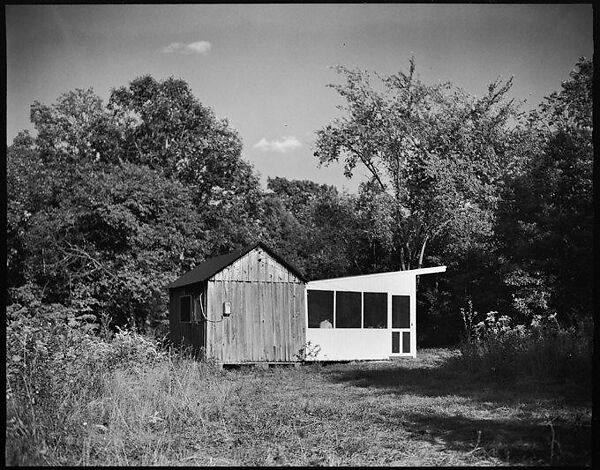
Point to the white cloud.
(283, 145)
(174, 46)
(198, 47)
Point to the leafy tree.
(108, 204)
(281, 230)
(76, 128)
(332, 242)
(436, 151)
(297, 195)
(374, 241)
(25, 196)
(173, 132)
(311, 224)
(545, 221)
(113, 243)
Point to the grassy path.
(413, 412)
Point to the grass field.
(406, 412)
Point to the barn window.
(400, 311)
(185, 308)
(320, 307)
(347, 309)
(375, 310)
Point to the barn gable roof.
(212, 266)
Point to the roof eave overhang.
(413, 272)
(176, 284)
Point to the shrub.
(543, 350)
(309, 351)
(56, 366)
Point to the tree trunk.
(422, 251)
(407, 257)
(402, 266)
(421, 254)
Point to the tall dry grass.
(79, 398)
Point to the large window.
(320, 308)
(347, 309)
(185, 308)
(375, 310)
(400, 311)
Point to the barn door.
(401, 327)
(199, 325)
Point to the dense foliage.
(500, 196)
(497, 348)
(107, 203)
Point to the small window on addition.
(185, 308)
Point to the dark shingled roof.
(212, 266)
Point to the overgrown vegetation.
(545, 351)
(74, 398)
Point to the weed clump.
(543, 350)
(60, 380)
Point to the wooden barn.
(368, 317)
(243, 307)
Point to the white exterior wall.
(346, 344)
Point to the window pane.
(375, 311)
(347, 309)
(185, 308)
(320, 307)
(395, 342)
(400, 311)
(406, 341)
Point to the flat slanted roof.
(212, 266)
(414, 272)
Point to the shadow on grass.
(445, 376)
(523, 436)
(511, 440)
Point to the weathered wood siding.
(256, 265)
(267, 311)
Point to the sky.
(266, 67)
